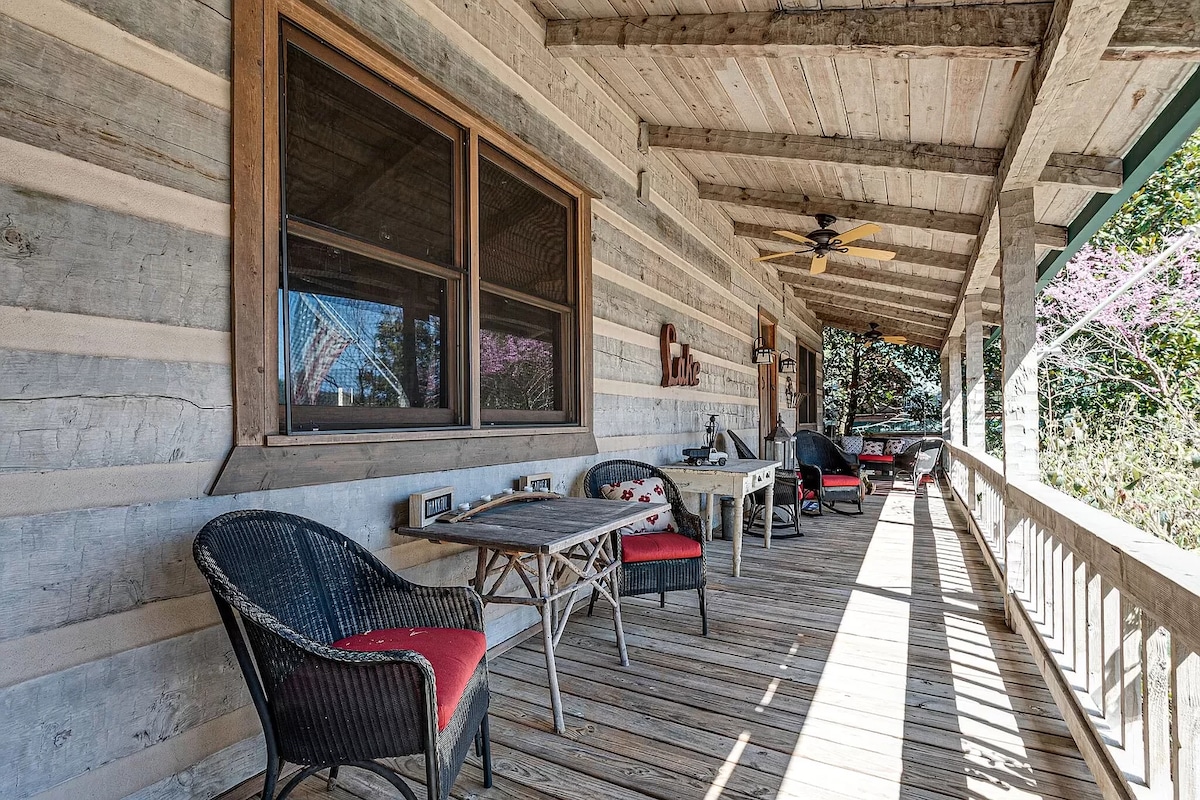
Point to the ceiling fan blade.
(818, 264)
(896, 339)
(854, 234)
(870, 252)
(795, 237)
(772, 256)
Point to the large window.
(411, 282)
(378, 285)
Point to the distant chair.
(828, 475)
(661, 562)
(919, 460)
(786, 492)
(347, 662)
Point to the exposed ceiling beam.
(907, 255)
(798, 266)
(1072, 46)
(857, 326)
(930, 319)
(988, 31)
(1153, 29)
(872, 286)
(923, 219)
(1098, 173)
(807, 206)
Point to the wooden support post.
(954, 355)
(944, 368)
(973, 333)
(1018, 286)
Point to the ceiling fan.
(824, 240)
(873, 334)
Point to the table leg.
(738, 517)
(709, 510)
(770, 518)
(615, 588)
(543, 562)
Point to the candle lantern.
(762, 353)
(782, 446)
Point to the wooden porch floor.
(868, 659)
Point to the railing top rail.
(991, 467)
(1154, 574)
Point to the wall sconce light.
(787, 364)
(762, 353)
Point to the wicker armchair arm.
(689, 524)
(810, 475)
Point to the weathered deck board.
(868, 659)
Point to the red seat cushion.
(839, 480)
(658, 547)
(876, 459)
(454, 653)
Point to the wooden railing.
(1112, 616)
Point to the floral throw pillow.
(852, 444)
(872, 448)
(642, 490)
(894, 447)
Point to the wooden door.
(768, 384)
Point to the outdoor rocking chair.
(340, 654)
(919, 460)
(828, 475)
(653, 567)
(786, 489)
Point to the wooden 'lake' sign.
(680, 370)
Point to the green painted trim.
(1179, 120)
(1162, 139)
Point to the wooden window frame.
(261, 457)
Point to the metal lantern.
(762, 353)
(782, 446)
(787, 364)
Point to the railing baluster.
(1156, 708)
(1068, 608)
(1112, 640)
(1049, 602)
(1131, 685)
(1095, 636)
(1185, 719)
(1081, 620)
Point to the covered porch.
(868, 659)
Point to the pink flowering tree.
(1144, 344)
(516, 372)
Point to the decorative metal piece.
(787, 364)
(762, 353)
(789, 393)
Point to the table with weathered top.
(555, 548)
(738, 478)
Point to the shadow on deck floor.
(868, 659)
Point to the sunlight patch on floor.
(878, 610)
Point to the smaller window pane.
(524, 235)
(520, 364)
(359, 164)
(363, 335)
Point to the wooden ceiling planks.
(835, 89)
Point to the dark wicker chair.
(918, 460)
(298, 587)
(828, 474)
(786, 489)
(654, 577)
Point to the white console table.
(737, 478)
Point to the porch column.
(1018, 284)
(944, 370)
(973, 332)
(1018, 281)
(954, 357)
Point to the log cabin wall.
(117, 400)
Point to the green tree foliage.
(1160, 210)
(863, 377)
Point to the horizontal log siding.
(122, 685)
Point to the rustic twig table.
(555, 548)
(739, 478)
